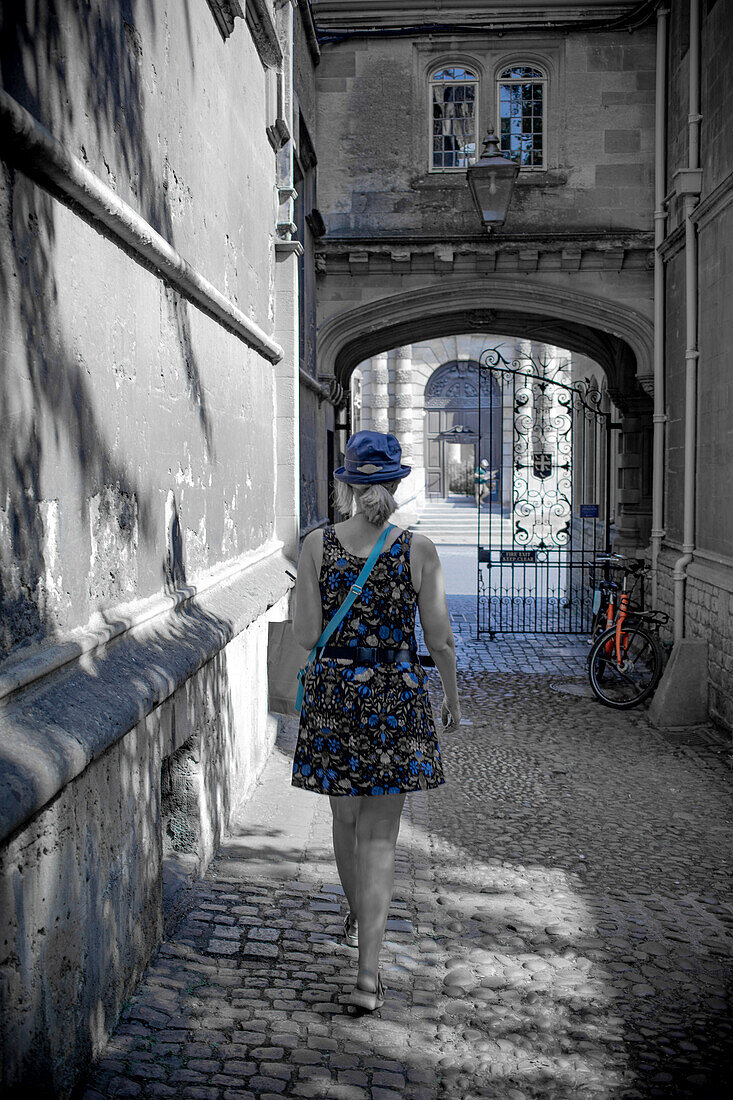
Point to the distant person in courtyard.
(483, 479)
(367, 736)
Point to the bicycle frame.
(617, 611)
(623, 612)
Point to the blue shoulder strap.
(342, 612)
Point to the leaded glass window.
(522, 94)
(453, 92)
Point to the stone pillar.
(366, 393)
(403, 402)
(380, 393)
(632, 496)
(286, 329)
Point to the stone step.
(455, 523)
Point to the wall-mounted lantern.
(491, 181)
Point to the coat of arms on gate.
(542, 464)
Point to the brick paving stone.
(561, 923)
(122, 1086)
(267, 1084)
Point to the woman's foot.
(366, 1000)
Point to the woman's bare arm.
(307, 620)
(427, 577)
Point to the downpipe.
(691, 197)
(660, 231)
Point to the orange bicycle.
(627, 657)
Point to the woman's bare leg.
(345, 812)
(377, 828)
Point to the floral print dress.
(367, 729)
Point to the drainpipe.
(660, 230)
(689, 185)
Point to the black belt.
(373, 655)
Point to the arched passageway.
(617, 337)
(509, 445)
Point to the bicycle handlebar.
(634, 566)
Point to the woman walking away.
(367, 736)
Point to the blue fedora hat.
(372, 457)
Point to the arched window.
(521, 109)
(453, 96)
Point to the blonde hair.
(376, 502)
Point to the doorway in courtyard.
(547, 437)
(455, 420)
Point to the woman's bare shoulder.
(312, 548)
(312, 540)
(422, 547)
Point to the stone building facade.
(405, 259)
(694, 529)
(614, 247)
(149, 508)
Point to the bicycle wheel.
(598, 626)
(634, 680)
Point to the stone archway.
(617, 336)
(614, 334)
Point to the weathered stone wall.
(709, 612)
(316, 412)
(314, 486)
(82, 882)
(147, 444)
(374, 107)
(709, 583)
(121, 402)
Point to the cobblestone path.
(562, 923)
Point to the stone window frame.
(540, 79)
(550, 64)
(432, 63)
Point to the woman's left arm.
(308, 617)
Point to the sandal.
(366, 1000)
(351, 937)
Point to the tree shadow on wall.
(47, 389)
(119, 830)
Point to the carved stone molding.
(225, 12)
(527, 257)
(615, 335)
(261, 25)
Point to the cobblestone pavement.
(561, 927)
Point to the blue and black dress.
(368, 729)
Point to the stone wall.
(148, 482)
(316, 416)
(374, 107)
(708, 614)
(122, 402)
(709, 584)
(83, 880)
(317, 410)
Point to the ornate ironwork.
(536, 545)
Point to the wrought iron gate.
(545, 509)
